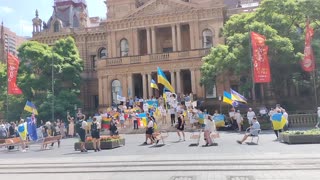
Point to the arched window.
(56, 26)
(116, 91)
(103, 53)
(207, 38)
(124, 47)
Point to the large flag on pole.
(308, 62)
(227, 98)
(260, 60)
(162, 79)
(237, 96)
(153, 84)
(30, 107)
(12, 72)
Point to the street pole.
(252, 73)
(52, 86)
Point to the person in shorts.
(149, 130)
(253, 130)
(95, 133)
(82, 133)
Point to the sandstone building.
(122, 52)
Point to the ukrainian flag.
(219, 120)
(164, 81)
(278, 121)
(154, 84)
(30, 108)
(227, 97)
(237, 97)
(22, 130)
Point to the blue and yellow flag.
(22, 130)
(227, 98)
(143, 119)
(162, 79)
(278, 121)
(153, 84)
(30, 108)
(237, 97)
(219, 120)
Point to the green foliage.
(283, 23)
(308, 132)
(37, 62)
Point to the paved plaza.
(176, 160)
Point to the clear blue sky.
(18, 14)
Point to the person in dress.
(239, 119)
(71, 126)
(250, 115)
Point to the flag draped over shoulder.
(32, 128)
(237, 97)
(308, 62)
(153, 84)
(30, 107)
(162, 79)
(22, 130)
(278, 121)
(227, 98)
(12, 72)
(260, 60)
(219, 120)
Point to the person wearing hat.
(318, 117)
(253, 130)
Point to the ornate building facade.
(122, 53)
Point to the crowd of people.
(163, 114)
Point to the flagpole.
(7, 114)
(251, 64)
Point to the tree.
(35, 76)
(283, 23)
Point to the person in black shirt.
(12, 133)
(95, 133)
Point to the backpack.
(78, 126)
(94, 127)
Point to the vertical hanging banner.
(307, 62)
(260, 60)
(12, 72)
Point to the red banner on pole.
(12, 70)
(260, 60)
(308, 63)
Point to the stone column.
(144, 87)
(148, 40)
(130, 88)
(178, 81)
(174, 39)
(179, 37)
(154, 44)
(193, 81)
(150, 92)
(173, 82)
(191, 35)
(114, 45)
(106, 91)
(100, 87)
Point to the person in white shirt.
(271, 113)
(238, 118)
(172, 115)
(82, 133)
(208, 129)
(318, 117)
(250, 115)
(285, 115)
(149, 130)
(163, 112)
